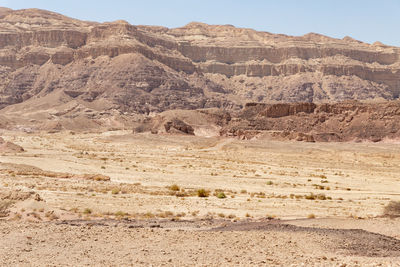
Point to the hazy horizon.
(367, 20)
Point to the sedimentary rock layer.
(148, 69)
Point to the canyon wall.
(148, 69)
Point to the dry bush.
(392, 209)
(174, 187)
(87, 211)
(202, 193)
(121, 214)
(313, 196)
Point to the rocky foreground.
(163, 243)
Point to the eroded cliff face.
(346, 121)
(151, 69)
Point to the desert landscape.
(115, 198)
(205, 145)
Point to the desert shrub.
(202, 193)
(121, 214)
(261, 195)
(311, 216)
(392, 209)
(87, 211)
(221, 195)
(115, 191)
(174, 187)
(148, 215)
(312, 196)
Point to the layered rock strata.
(145, 69)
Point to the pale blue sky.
(365, 20)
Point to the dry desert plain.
(119, 199)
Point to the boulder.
(178, 126)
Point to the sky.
(364, 20)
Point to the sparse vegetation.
(174, 187)
(313, 196)
(195, 213)
(87, 211)
(115, 191)
(202, 193)
(121, 214)
(221, 195)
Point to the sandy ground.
(286, 202)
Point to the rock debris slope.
(88, 67)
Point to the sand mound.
(24, 169)
(203, 122)
(8, 147)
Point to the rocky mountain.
(66, 66)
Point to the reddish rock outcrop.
(178, 126)
(284, 109)
(347, 121)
